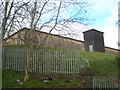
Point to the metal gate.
(105, 82)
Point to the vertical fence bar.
(40, 60)
(57, 61)
(23, 60)
(62, 65)
(54, 61)
(53, 64)
(14, 59)
(37, 57)
(7, 57)
(61, 62)
(67, 63)
(47, 60)
(3, 57)
(80, 61)
(70, 61)
(10, 55)
(45, 65)
(20, 61)
(36, 60)
(33, 62)
(10, 59)
(17, 60)
(74, 63)
(73, 72)
(60, 58)
(57, 58)
(103, 82)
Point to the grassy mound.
(103, 64)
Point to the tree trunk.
(26, 74)
(30, 51)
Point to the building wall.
(17, 38)
(112, 51)
(52, 41)
(95, 39)
(23, 37)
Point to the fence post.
(1, 60)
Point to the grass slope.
(9, 78)
(103, 64)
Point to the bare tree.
(39, 15)
(33, 26)
(31, 43)
(54, 12)
(11, 16)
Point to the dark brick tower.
(94, 40)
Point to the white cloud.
(110, 36)
(110, 28)
(107, 24)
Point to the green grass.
(103, 64)
(10, 76)
(16, 46)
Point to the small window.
(91, 48)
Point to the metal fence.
(59, 61)
(103, 82)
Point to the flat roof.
(92, 30)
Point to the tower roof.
(93, 30)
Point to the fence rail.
(105, 82)
(45, 60)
